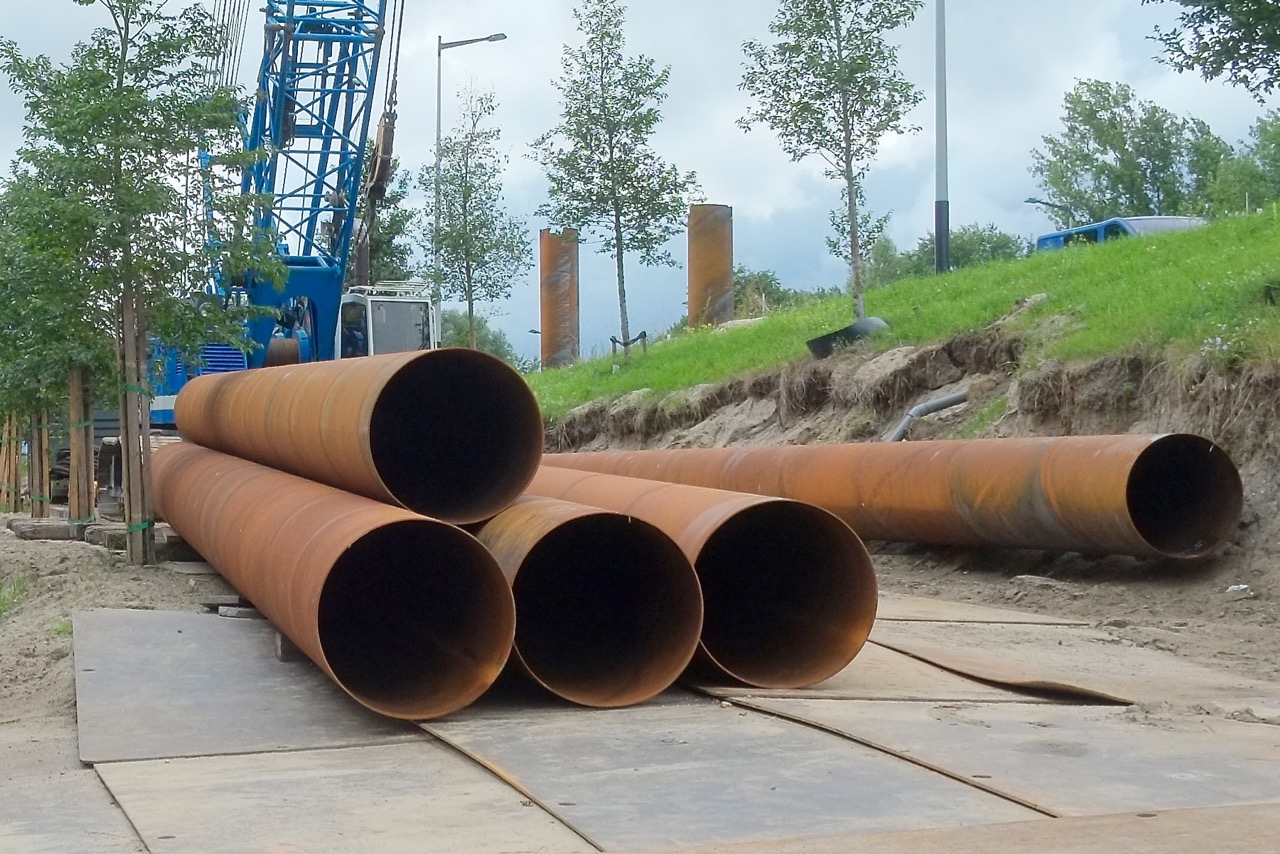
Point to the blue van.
(1120, 226)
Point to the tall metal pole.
(942, 208)
(435, 210)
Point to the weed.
(11, 591)
(61, 629)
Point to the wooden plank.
(388, 798)
(687, 770)
(1066, 658)
(1223, 830)
(901, 607)
(157, 684)
(1068, 760)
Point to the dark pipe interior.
(456, 435)
(416, 620)
(1184, 496)
(790, 595)
(608, 611)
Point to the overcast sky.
(1010, 62)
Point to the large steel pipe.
(1173, 495)
(410, 616)
(789, 593)
(608, 609)
(454, 434)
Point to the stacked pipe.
(331, 496)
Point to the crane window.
(355, 325)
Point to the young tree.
(1119, 156)
(604, 176)
(1236, 39)
(482, 248)
(830, 86)
(116, 132)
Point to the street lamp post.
(441, 47)
(942, 207)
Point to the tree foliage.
(605, 178)
(830, 86)
(390, 249)
(1235, 39)
(1250, 178)
(1119, 156)
(758, 292)
(971, 245)
(481, 248)
(456, 329)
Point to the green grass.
(61, 629)
(1199, 291)
(11, 591)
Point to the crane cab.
(386, 318)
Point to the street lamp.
(1065, 210)
(441, 47)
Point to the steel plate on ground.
(882, 674)
(158, 684)
(1069, 760)
(1222, 830)
(65, 811)
(685, 770)
(386, 798)
(1066, 658)
(900, 607)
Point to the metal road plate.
(1070, 760)
(685, 770)
(60, 812)
(156, 684)
(1222, 830)
(882, 674)
(1066, 658)
(387, 798)
(898, 606)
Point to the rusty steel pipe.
(789, 593)
(410, 616)
(710, 265)
(608, 609)
(1173, 495)
(454, 434)
(558, 290)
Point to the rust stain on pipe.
(558, 265)
(410, 616)
(1173, 495)
(710, 265)
(789, 593)
(608, 609)
(454, 434)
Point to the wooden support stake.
(135, 433)
(9, 477)
(80, 491)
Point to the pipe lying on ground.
(410, 616)
(1174, 495)
(789, 593)
(453, 434)
(608, 609)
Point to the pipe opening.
(1184, 496)
(790, 595)
(456, 435)
(415, 620)
(609, 611)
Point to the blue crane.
(311, 119)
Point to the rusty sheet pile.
(331, 494)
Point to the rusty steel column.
(710, 265)
(454, 434)
(408, 615)
(1173, 495)
(558, 268)
(608, 609)
(789, 593)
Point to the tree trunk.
(38, 465)
(855, 249)
(10, 467)
(622, 286)
(471, 312)
(135, 433)
(80, 497)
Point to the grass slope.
(1170, 294)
